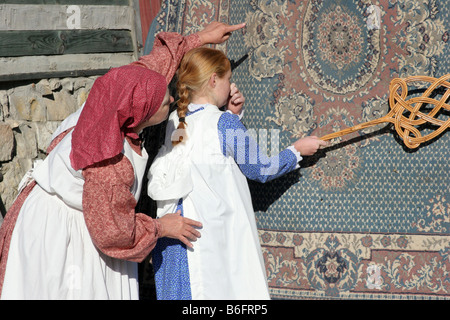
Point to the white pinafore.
(226, 261)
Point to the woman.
(73, 232)
(202, 170)
(77, 234)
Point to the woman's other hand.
(174, 226)
(218, 32)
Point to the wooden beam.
(71, 2)
(37, 67)
(46, 75)
(58, 17)
(49, 42)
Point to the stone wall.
(66, 45)
(29, 114)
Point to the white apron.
(226, 261)
(51, 255)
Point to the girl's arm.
(254, 164)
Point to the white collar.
(194, 107)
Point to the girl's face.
(159, 116)
(222, 89)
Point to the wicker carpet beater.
(408, 115)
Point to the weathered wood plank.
(46, 75)
(48, 42)
(36, 67)
(70, 2)
(137, 28)
(63, 17)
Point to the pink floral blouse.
(108, 205)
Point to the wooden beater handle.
(356, 128)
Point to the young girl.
(201, 171)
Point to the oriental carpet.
(366, 218)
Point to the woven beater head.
(408, 115)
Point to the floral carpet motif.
(366, 218)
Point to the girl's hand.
(309, 145)
(236, 100)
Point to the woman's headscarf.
(117, 103)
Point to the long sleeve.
(168, 50)
(108, 206)
(253, 162)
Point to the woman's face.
(159, 116)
